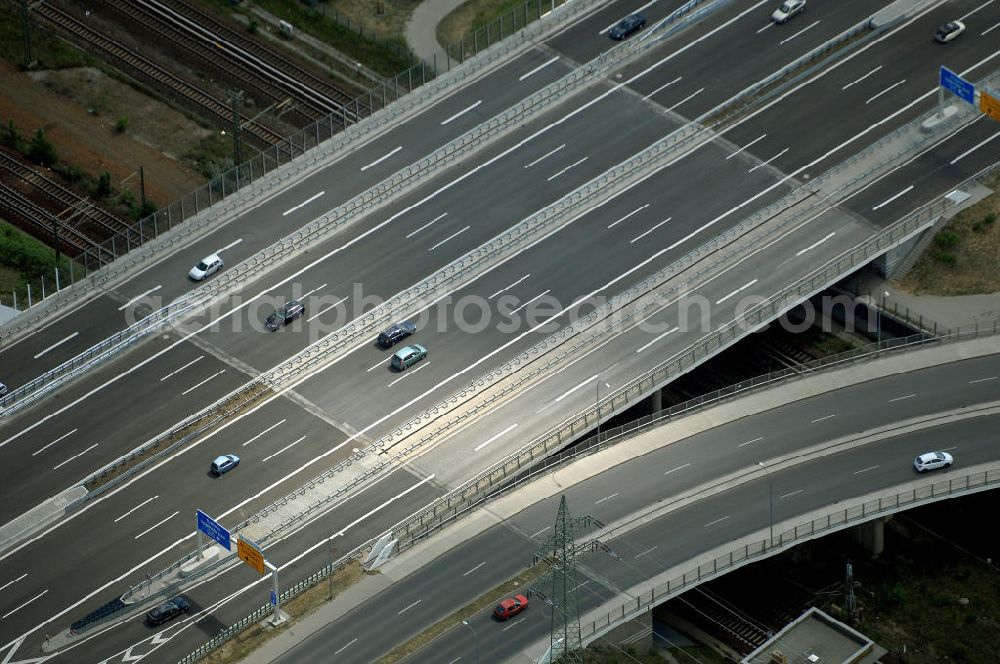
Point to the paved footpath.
(421, 31)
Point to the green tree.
(103, 189)
(11, 136)
(41, 151)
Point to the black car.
(396, 333)
(628, 25)
(285, 315)
(168, 610)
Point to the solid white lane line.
(382, 158)
(808, 27)
(513, 625)
(825, 417)
(182, 368)
(323, 311)
(157, 524)
(462, 112)
(665, 85)
(712, 523)
(475, 568)
(139, 297)
(638, 209)
(310, 292)
(673, 470)
(135, 508)
(649, 550)
(427, 225)
(765, 163)
(769, 25)
(538, 68)
(750, 442)
(873, 98)
(532, 537)
(54, 442)
(56, 344)
(18, 579)
(75, 456)
(989, 29)
(409, 373)
(542, 294)
(988, 2)
(576, 163)
(815, 244)
(349, 643)
(302, 204)
(759, 138)
(974, 147)
(547, 154)
(655, 339)
(18, 608)
(983, 380)
(574, 389)
(865, 470)
(222, 371)
(858, 80)
(230, 245)
(598, 502)
(286, 447)
(639, 237)
(506, 288)
(401, 494)
(789, 495)
(453, 235)
(893, 197)
(273, 426)
(381, 363)
(737, 291)
(494, 437)
(688, 98)
(403, 610)
(908, 396)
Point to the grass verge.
(47, 50)
(26, 261)
(962, 258)
(471, 16)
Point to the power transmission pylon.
(564, 640)
(850, 604)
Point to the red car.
(510, 607)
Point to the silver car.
(208, 266)
(788, 9)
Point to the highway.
(404, 242)
(671, 540)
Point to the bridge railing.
(748, 553)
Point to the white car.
(3, 389)
(208, 266)
(949, 31)
(932, 461)
(788, 9)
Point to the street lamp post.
(770, 506)
(475, 638)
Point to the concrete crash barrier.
(19, 529)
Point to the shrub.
(103, 189)
(990, 218)
(946, 240)
(947, 258)
(121, 124)
(11, 136)
(41, 151)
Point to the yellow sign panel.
(248, 552)
(989, 105)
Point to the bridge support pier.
(871, 535)
(656, 402)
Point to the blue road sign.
(958, 85)
(274, 598)
(211, 527)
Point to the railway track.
(19, 208)
(145, 70)
(274, 57)
(105, 223)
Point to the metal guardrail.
(748, 553)
(321, 228)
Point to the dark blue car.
(626, 26)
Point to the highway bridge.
(565, 187)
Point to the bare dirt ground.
(58, 102)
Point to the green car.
(407, 356)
